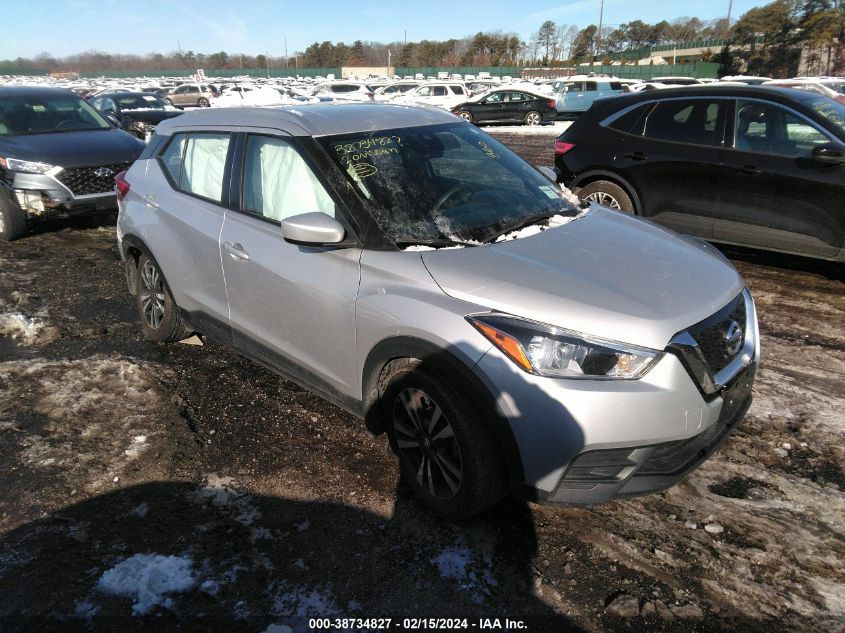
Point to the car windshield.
(831, 110)
(141, 102)
(449, 182)
(47, 114)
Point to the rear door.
(517, 106)
(291, 306)
(186, 210)
(774, 194)
(672, 157)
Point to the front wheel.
(533, 118)
(12, 219)
(202, 102)
(447, 456)
(160, 317)
(607, 194)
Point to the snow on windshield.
(449, 182)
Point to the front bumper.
(44, 196)
(587, 441)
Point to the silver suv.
(413, 270)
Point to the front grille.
(82, 181)
(710, 334)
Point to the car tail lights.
(561, 147)
(121, 185)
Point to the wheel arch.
(588, 177)
(455, 367)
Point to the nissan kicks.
(410, 268)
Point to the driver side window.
(769, 129)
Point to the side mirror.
(549, 173)
(829, 154)
(312, 229)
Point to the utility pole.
(728, 22)
(389, 53)
(598, 33)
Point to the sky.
(64, 27)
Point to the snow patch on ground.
(552, 131)
(220, 492)
(94, 415)
(147, 579)
(471, 568)
(27, 330)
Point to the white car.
(343, 90)
(395, 89)
(445, 94)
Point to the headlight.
(26, 166)
(549, 351)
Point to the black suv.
(136, 112)
(58, 156)
(755, 166)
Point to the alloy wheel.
(603, 198)
(152, 295)
(427, 444)
(532, 119)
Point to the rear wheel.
(446, 455)
(12, 219)
(607, 194)
(466, 116)
(533, 118)
(202, 102)
(159, 315)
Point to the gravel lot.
(185, 488)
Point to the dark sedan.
(755, 166)
(508, 105)
(58, 157)
(136, 112)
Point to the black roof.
(715, 90)
(25, 91)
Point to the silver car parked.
(413, 270)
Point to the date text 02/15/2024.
(415, 624)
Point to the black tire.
(450, 460)
(608, 194)
(159, 315)
(466, 116)
(12, 219)
(203, 102)
(533, 118)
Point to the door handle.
(150, 200)
(748, 169)
(236, 251)
(636, 156)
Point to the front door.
(774, 195)
(291, 306)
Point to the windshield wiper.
(433, 242)
(521, 224)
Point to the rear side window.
(590, 86)
(278, 183)
(684, 121)
(439, 91)
(196, 163)
(615, 85)
(457, 90)
(632, 121)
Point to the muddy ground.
(273, 506)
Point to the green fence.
(699, 70)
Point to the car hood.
(74, 149)
(604, 274)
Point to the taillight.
(371, 95)
(561, 147)
(121, 185)
(552, 104)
